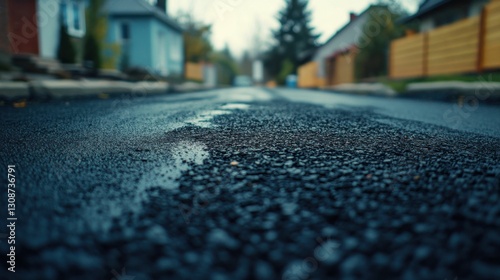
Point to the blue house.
(146, 36)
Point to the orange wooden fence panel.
(344, 68)
(454, 48)
(308, 75)
(470, 45)
(491, 56)
(407, 57)
(194, 71)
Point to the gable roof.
(351, 22)
(139, 8)
(425, 8)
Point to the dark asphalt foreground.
(250, 185)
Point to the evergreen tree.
(66, 52)
(294, 37)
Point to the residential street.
(251, 183)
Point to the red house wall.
(4, 29)
(23, 26)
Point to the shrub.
(66, 52)
(92, 51)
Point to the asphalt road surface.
(252, 184)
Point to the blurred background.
(296, 43)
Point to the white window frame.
(70, 16)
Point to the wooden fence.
(491, 56)
(454, 48)
(407, 56)
(194, 71)
(344, 69)
(470, 45)
(339, 70)
(308, 75)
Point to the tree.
(286, 69)
(227, 68)
(293, 37)
(257, 41)
(246, 64)
(96, 32)
(92, 51)
(66, 52)
(373, 53)
(197, 45)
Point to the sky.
(239, 22)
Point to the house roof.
(139, 8)
(425, 8)
(352, 21)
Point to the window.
(124, 32)
(73, 17)
(76, 17)
(64, 13)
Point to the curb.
(488, 92)
(11, 92)
(191, 87)
(14, 91)
(58, 90)
(376, 89)
(450, 85)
